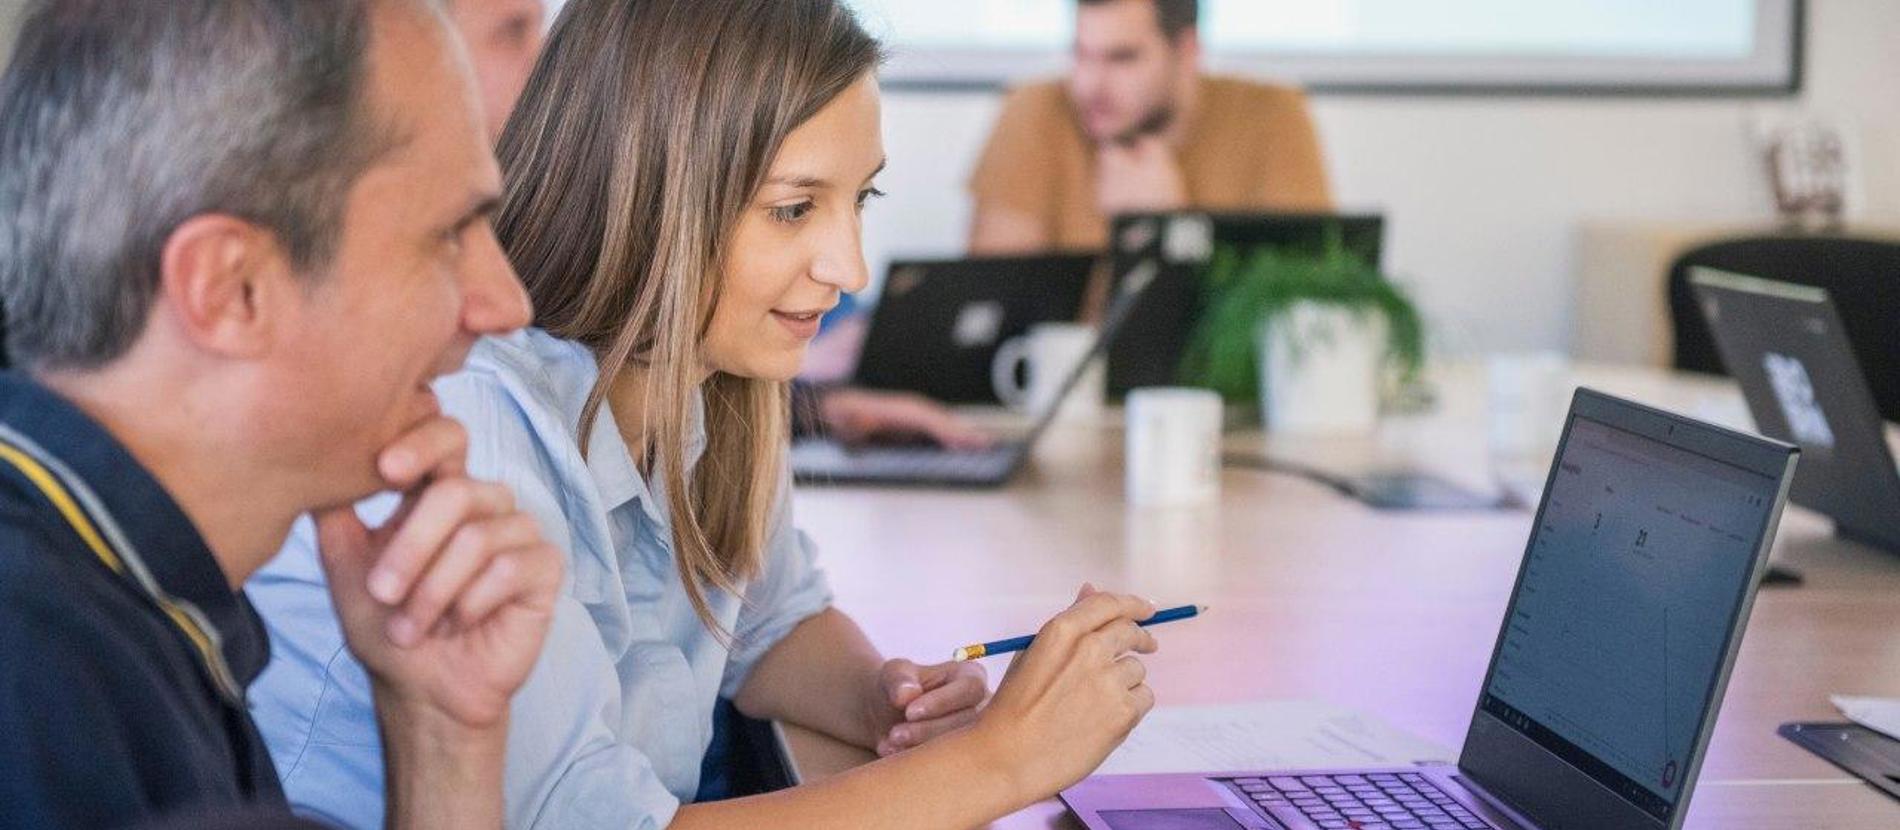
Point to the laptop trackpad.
(1200, 819)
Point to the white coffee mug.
(1044, 358)
(1173, 446)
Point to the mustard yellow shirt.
(1250, 146)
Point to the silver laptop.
(1648, 546)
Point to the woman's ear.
(219, 276)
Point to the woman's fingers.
(952, 687)
(1116, 639)
(1094, 611)
(1131, 672)
(916, 733)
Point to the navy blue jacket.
(109, 714)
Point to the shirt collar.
(619, 479)
(172, 550)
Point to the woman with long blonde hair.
(684, 181)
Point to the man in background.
(504, 39)
(238, 238)
(1136, 127)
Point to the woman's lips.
(802, 324)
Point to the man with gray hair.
(238, 239)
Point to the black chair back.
(1862, 275)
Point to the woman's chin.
(770, 368)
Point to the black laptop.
(1609, 665)
(938, 323)
(1164, 257)
(823, 460)
(1786, 346)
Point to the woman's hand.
(1074, 695)
(923, 702)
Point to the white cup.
(1173, 446)
(1045, 357)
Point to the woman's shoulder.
(538, 373)
(525, 388)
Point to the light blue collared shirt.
(611, 727)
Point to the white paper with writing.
(1277, 734)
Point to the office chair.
(1863, 275)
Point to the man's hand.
(924, 702)
(1139, 176)
(447, 603)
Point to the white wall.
(1483, 195)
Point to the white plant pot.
(1319, 369)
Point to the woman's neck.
(627, 402)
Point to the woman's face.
(799, 244)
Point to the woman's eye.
(791, 214)
(867, 195)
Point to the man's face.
(417, 276)
(504, 37)
(1126, 70)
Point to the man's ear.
(1187, 50)
(221, 278)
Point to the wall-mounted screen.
(1680, 46)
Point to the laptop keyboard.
(1375, 801)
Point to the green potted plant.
(1311, 335)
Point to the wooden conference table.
(1317, 597)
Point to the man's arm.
(1012, 188)
(441, 772)
(1296, 164)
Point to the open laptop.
(938, 323)
(1648, 546)
(1785, 345)
(821, 460)
(1164, 257)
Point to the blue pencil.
(1020, 643)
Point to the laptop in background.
(1784, 343)
(1649, 544)
(938, 323)
(822, 460)
(1163, 256)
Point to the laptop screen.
(1617, 631)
